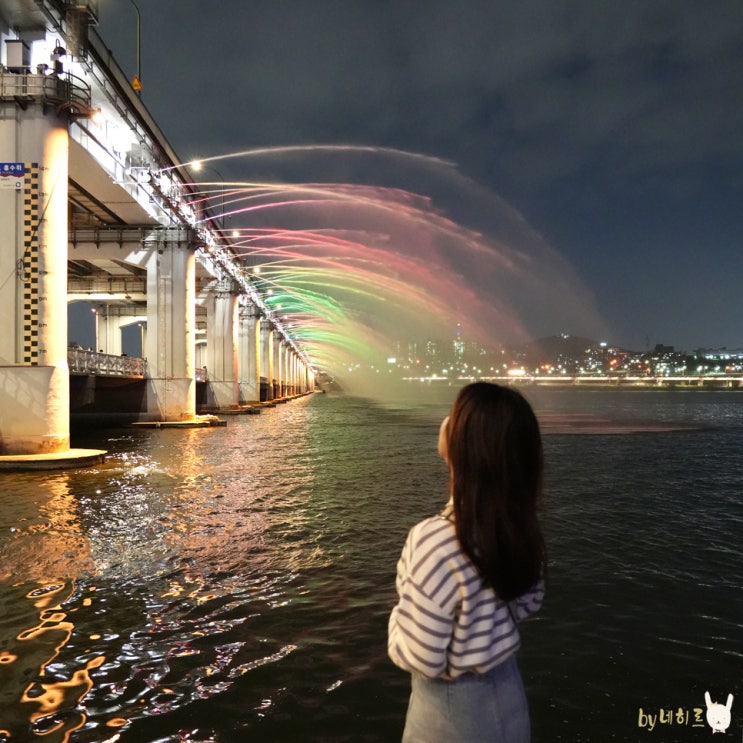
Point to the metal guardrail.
(63, 90)
(108, 365)
(105, 364)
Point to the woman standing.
(467, 576)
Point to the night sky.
(614, 128)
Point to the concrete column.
(294, 365)
(248, 360)
(34, 377)
(295, 376)
(287, 370)
(107, 331)
(171, 323)
(299, 376)
(201, 355)
(288, 375)
(303, 375)
(278, 380)
(110, 321)
(221, 345)
(266, 360)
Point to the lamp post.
(138, 77)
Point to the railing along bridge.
(81, 361)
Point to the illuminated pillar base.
(171, 323)
(249, 392)
(249, 356)
(266, 361)
(221, 346)
(222, 395)
(34, 417)
(172, 399)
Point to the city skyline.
(562, 356)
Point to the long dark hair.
(494, 451)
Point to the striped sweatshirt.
(446, 622)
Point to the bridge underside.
(104, 213)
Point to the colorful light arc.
(351, 269)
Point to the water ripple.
(235, 584)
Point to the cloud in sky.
(615, 128)
(562, 83)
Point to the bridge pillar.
(34, 377)
(221, 344)
(107, 331)
(278, 367)
(299, 375)
(294, 367)
(171, 327)
(110, 321)
(288, 385)
(249, 355)
(287, 370)
(298, 369)
(266, 360)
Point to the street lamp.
(137, 85)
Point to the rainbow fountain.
(382, 253)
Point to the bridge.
(95, 206)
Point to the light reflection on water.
(234, 583)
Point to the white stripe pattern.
(446, 621)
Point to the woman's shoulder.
(433, 529)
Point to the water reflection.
(38, 688)
(43, 536)
(151, 581)
(234, 583)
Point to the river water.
(234, 584)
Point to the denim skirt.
(474, 708)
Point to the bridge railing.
(63, 90)
(105, 364)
